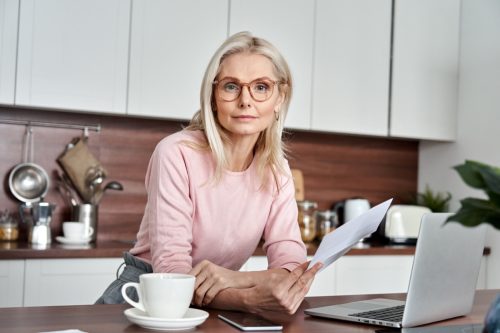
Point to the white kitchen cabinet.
(67, 281)
(73, 54)
(171, 45)
(425, 69)
(11, 282)
(8, 49)
(352, 66)
(373, 274)
(323, 285)
(289, 25)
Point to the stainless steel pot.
(28, 182)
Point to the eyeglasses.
(229, 89)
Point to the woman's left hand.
(211, 279)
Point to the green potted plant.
(474, 211)
(437, 202)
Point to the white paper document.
(339, 241)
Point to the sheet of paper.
(339, 241)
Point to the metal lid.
(306, 204)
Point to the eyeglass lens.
(230, 89)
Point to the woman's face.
(246, 116)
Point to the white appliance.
(402, 223)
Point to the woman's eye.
(231, 87)
(261, 87)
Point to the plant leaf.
(469, 172)
(476, 211)
(494, 197)
(491, 178)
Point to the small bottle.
(327, 222)
(306, 219)
(9, 230)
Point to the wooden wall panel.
(335, 167)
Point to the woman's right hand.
(283, 291)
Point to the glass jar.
(9, 230)
(306, 219)
(327, 221)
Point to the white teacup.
(77, 230)
(162, 295)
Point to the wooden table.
(110, 318)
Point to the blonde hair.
(269, 149)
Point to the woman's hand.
(283, 291)
(211, 279)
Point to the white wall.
(478, 115)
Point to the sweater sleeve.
(282, 242)
(169, 209)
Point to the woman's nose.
(245, 97)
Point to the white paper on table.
(338, 242)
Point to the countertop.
(110, 249)
(110, 318)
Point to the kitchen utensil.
(38, 216)
(65, 188)
(93, 180)
(112, 185)
(402, 224)
(28, 182)
(86, 214)
(76, 163)
(9, 230)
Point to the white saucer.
(191, 319)
(72, 241)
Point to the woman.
(220, 185)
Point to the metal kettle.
(37, 216)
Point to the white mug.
(77, 230)
(162, 295)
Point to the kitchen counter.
(110, 249)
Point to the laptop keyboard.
(392, 314)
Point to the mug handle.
(135, 285)
(89, 232)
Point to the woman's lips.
(245, 117)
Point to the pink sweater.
(189, 217)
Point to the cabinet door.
(373, 274)
(288, 25)
(425, 69)
(11, 282)
(323, 284)
(171, 45)
(73, 54)
(351, 66)
(67, 281)
(8, 49)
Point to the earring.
(277, 115)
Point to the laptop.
(442, 282)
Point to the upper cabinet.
(171, 45)
(289, 25)
(73, 54)
(351, 66)
(425, 69)
(9, 10)
(365, 67)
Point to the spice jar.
(9, 230)
(327, 222)
(306, 219)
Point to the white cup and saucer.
(163, 304)
(75, 233)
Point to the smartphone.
(249, 322)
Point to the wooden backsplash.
(335, 167)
